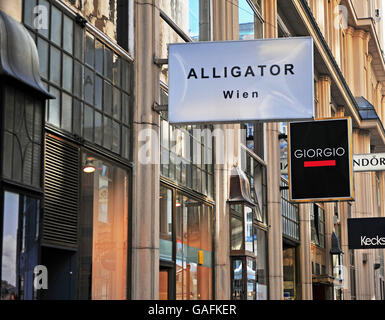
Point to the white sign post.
(234, 81)
(369, 162)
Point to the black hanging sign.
(320, 160)
(366, 233)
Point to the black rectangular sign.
(366, 233)
(320, 160)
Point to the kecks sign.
(366, 233)
(320, 160)
(233, 81)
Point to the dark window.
(22, 141)
(74, 63)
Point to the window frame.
(124, 127)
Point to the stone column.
(359, 53)
(324, 97)
(363, 208)
(275, 257)
(305, 253)
(12, 8)
(224, 28)
(145, 199)
(349, 74)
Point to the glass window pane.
(43, 22)
(193, 17)
(54, 107)
(116, 137)
(108, 56)
(56, 26)
(42, 47)
(89, 86)
(78, 80)
(107, 141)
(77, 117)
(68, 34)
(66, 117)
(98, 128)
(90, 50)
(125, 76)
(116, 71)
(125, 143)
(246, 21)
(125, 109)
(236, 233)
(107, 101)
(29, 15)
(99, 53)
(98, 92)
(79, 39)
(116, 103)
(67, 73)
(88, 123)
(9, 250)
(249, 238)
(165, 245)
(237, 293)
(55, 66)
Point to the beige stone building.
(127, 206)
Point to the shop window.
(289, 273)
(165, 226)
(194, 249)
(19, 251)
(250, 19)
(248, 254)
(89, 79)
(103, 231)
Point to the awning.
(19, 59)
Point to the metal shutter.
(61, 192)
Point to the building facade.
(116, 203)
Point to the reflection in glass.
(165, 245)
(250, 25)
(67, 73)
(56, 23)
(103, 233)
(54, 107)
(55, 66)
(249, 239)
(193, 235)
(237, 280)
(68, 34)
(42, 47)
(193, 16)
(19, 246)
(9, 250)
